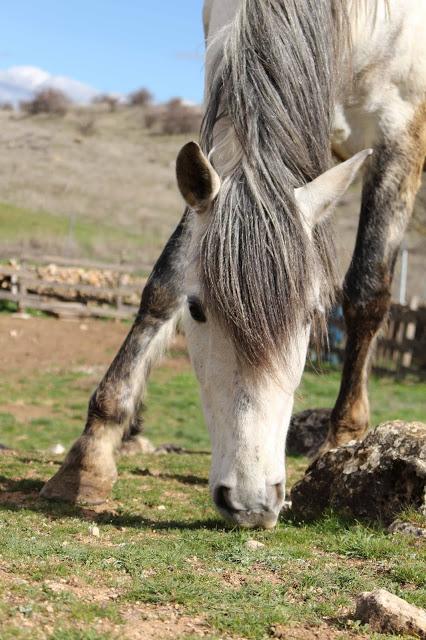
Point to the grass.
(109, 195)
(33, 228)
(164, 564)
(173, 413)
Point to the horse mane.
(271, 94)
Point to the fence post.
(409, 334)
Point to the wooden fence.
(26, 286)
(400, 350)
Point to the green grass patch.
(162, 547)
(20, 225)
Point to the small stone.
(94, 531)
(84, 327)
(387, 613)
(25, 609)
(253, 545)
(13, 333)
(161, 507)
(57, 449)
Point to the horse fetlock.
(350, 425)
(87, 474)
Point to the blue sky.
(112, 45)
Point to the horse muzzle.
(261, 514)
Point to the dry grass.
(122, 176)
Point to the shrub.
(110, 101)
(87, 126)
(140, 98)
(179, 117)
(50, 101)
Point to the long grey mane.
(273, 87)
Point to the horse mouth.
(262, 518)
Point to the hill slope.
(98, 184)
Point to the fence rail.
(400, 349)
(29, 287)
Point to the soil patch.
(35, 344)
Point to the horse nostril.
(222, 498)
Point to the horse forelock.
(271, 93)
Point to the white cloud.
(20, 83)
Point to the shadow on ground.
(24, 494)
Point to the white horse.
(251, 266)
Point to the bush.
(110, 101)
(140, 98)
(174, 117)
(6, 106)
(50, 101)
(87, 126)
(181, 118)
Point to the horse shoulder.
(388, 83)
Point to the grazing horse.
(251, 268)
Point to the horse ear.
(198, 182)
(318, 198)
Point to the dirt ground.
(47, 343)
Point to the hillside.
(98, 184)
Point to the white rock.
(57, 449)
(253, 545)
(161, 507)
(387, 613)
(94, 531)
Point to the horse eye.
(196, 310)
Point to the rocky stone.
(94, 531)
(307, 432)
(407, 529)
(387, 613)
(375, 479)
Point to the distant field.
(164, 564)
(108, 195)
(112, 195)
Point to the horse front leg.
(89, 469)
(388, 198)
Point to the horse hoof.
(135, 445)
(77, 488)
